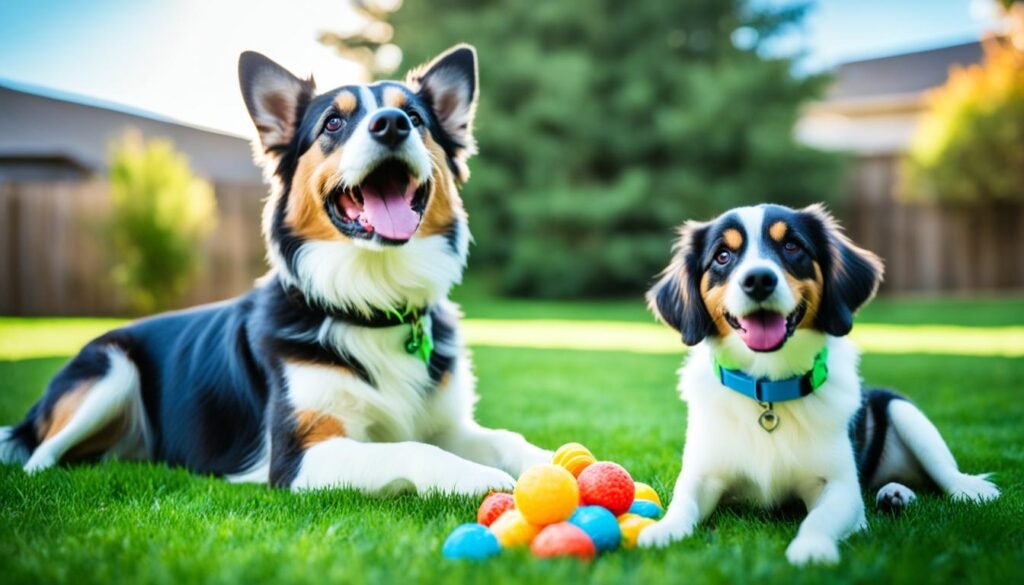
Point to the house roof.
(872, 106)
(43, 124)
(909, 73)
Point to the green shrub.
(160, 215)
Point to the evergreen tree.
(604, 124)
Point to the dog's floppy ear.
(676, 298)
(449, 85)
(851, 274)
(275, 99)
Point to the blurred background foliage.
(970, 144)
(369, 45)
(161, 214)
(603, 125)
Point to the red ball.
(563, 539)
(494, 505)
(608, 485)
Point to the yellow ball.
(631, 525)
(646, 492)
(574, 457)
(546, 494)
(513, 530)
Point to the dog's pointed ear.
(675, 299)
(275, 98)
(449, 85)
(850, 274)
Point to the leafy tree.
(161, 213)
(368, 42)
(969, 146)
(604, 124)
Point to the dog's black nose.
(390, 126)
(759, 283)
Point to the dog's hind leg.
(91, 415)
(923, 441)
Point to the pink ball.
(608, 485)
(494, 505)
(563, 539)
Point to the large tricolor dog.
(344, 366)
(776, 411)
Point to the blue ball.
(645, 508)
(471, 541)
(600, 525)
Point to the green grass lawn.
(594, 372)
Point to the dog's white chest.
(387, 407)
(753, 464)
(726, 440)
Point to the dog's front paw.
(532, 455)
(480, 480)
(973, 488)
(813, 549)
(664, 533)
(39, 462)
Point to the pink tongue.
(387, 206)
(764, 330)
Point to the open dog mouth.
(765, 330)
(388, 203)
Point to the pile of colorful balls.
(575, 506)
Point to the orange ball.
(631, 526)
(574, 457)
(513, 530)
(563, 539)
(546, 494)
(493, 506)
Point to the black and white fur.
(287, 385)
(829, 444)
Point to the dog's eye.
(333, 124)
(415, 118)
(723, 257)
(791, 247)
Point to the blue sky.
(178, 58)
(844, 30)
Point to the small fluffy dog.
(344, 366)
(776, 411)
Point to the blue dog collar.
(764, 390)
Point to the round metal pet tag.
(768, 420)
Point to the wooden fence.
(54, 260)
(930, 248)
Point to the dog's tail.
(13, 448)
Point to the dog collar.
(420, 340)
(765, 390)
